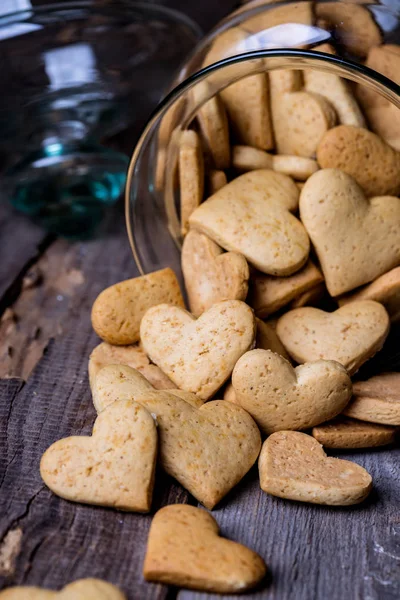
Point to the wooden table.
(47, 287)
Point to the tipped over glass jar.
(295, 89)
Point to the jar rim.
(378, 82)
(169, 14)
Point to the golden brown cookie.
(207, 449)
(114, 467)
(377, 400)
(353, 26)
(350, 335)
(268, 294)
(355, 238)
(211, 275)
(336, 90)
(363, 155)
(293, 465)
(310, 298)
(120, 382)
(246, 158)
(251, 215)
(216, 180)
(198, 354)
(247, 100)
(83, 589)
(349, 433)
(214, 126)
(279, 397)
(191, 175)
(133, 356)
(301, 119)
(386, 60)
(184, 549)
(266, 339)
(385, 289)
(118, 310)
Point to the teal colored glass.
(73, 75)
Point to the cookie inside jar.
(271, 173)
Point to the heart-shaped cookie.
(363, 155)
(207, 449)
(336, 90)
(356, 238)
(191, 175)
(268, 294)
(247, 100)
(198, 355)
(184, 549)
(279, 397)
(293, 465)
(120, 382)
(117, 311)
(133, 356)
(300, 120)
(83, 589)
(349, 433)
(377, 400)
(385, 289)
(210, 274)
(251, 215)
(350, 335)
(115, 467)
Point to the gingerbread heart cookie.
(356, 238)
(279, 397)
(120, 382)
(198, 354)
(83, 589)
(251, 215)
(268, 294)
(385, 289)
(377, 400)
(184, 549)
(210, 274)
(117, 311)
(246, 101)
(191, 175)
(293, 465)
(207, 449)
(115, 467)
(349, 433)
(133, 356)
(350, 335)
(365, 156)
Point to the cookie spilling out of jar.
(289, 191)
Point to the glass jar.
(301, 44)
(74, 74)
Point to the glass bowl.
(74, 74)
(252, 43)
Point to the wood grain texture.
(20, 245)
(316, 552)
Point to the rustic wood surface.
(47, 287)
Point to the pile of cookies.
(208, 392)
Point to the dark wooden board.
(56, 402)
(321, 553)
(21, 243)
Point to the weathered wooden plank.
(62, 541)
(21, 242)
(320, 553)
(63, 282)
